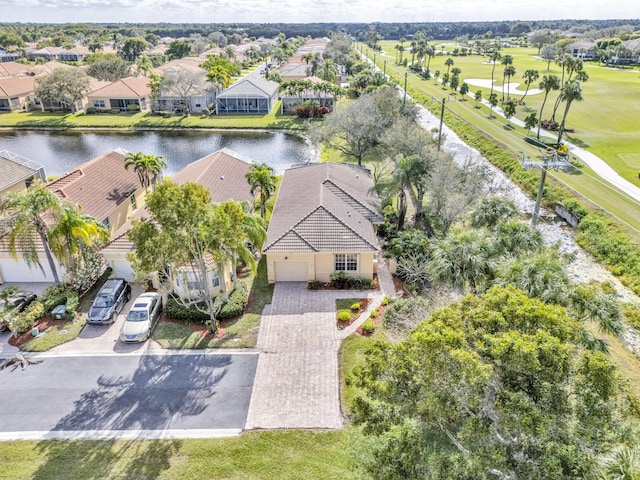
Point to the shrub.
(132, 107)
(356, 306)
(175, 309)
(341, 281)
(631, 314)
(59, 295)
(374, 313)
(344, 316)
(23, 322)
(368, 326)
(91, 111)
(386, 300)
(114, 111)
(315, 285)
(238, 300)
(206, 111)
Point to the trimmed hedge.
(236, 305)
(176, 310)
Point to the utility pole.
(549, 160)
(385, 68)
(404, 100)
(441, 121)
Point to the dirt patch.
(42, 324)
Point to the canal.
(60, 152)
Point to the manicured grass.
(57, 335)
(260, 455)
(146, 120)
(240, 333)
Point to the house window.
(134, 204)
(346, 262)
(98, 103)
(105, 222)
(215, 281)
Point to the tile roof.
(13, 86)
(251, 86)
(14, 169)
(324, 207)
(223, 173)
(129, 87)
(14, 69)
(99, 185)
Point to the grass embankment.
(260, 455)
(144, 120)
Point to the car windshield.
(103, 301)
(136, 316)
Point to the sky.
(303, 11)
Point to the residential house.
(76, 54)
(17, 173)
(126, 94)
(249, 95)
(9, 56)
(319, 96)
(15, 69)
(191, 97)
(103, 188)
(583, 49)
(293, 71)
(17, 93)
(223, 173)
(323, 223)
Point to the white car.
(142, 318)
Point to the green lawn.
(261, 455)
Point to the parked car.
(142, 318)
(16, 301)
(110, 299)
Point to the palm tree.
(495, 56)
(29, 214)
(144, 64)
(571, 92)
(329, 71)
(448, 62)
(529, 76)
(548, 83)
(307, 57)
(72, 231)
(148, 167)
(220, 76)
(261, 179)
(509, 72)
(430, 51)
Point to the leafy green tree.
(490, 387)
(263, 182)
(478, 97)
(144, 65)
(493, 102)
(147, 167)
(464, 90)
(66, 86)
(133, 48)
(29, 214)
(530, 121)
(108, 67)
(509, 109)
(493, 210)
(178, 49)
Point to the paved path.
(297, 383)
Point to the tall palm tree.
(72, 231)
(495, 56)
(329, 71)
(430, 52)
(448, 62)
(261, 179)
(220, 76)
(144, 65)
(529, 76)
(548, 83)
(29, 214)
(307, 57)
(509, 72)
(571, 92)
(148, 167)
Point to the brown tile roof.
(324, 207)
(99, 185)
(14, 86)
(14, 69)
(223, 173)
(129, 87)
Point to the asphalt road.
(127, 395)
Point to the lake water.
(60, 152)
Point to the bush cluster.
(176, 310)
(315, 285)
(344, 316)
(310, 111)
(236, 305)
(356, 306)
(368, 326)
(342, 281)
(24, 321)
(59, 295)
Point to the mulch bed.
(42, 324)
(376, 321)
(364, 303)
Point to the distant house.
(323, 223)
(193, 99)
(17, 173)
(9, 56)
(294, 71)
(583, 49)
(223, 173)
(77, 54)
(248, 95)
(130, 93)
(15, 69)
(17, 93)
(103, 188)
(318, 96)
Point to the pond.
(60, 152)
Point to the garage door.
(291, 271)
(12, 271)
(121, 269)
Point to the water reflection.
(60, 152)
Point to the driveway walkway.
(297, 383)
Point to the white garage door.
(291, 271)
(12, 271)
(121, 269)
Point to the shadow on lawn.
(162, 389)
